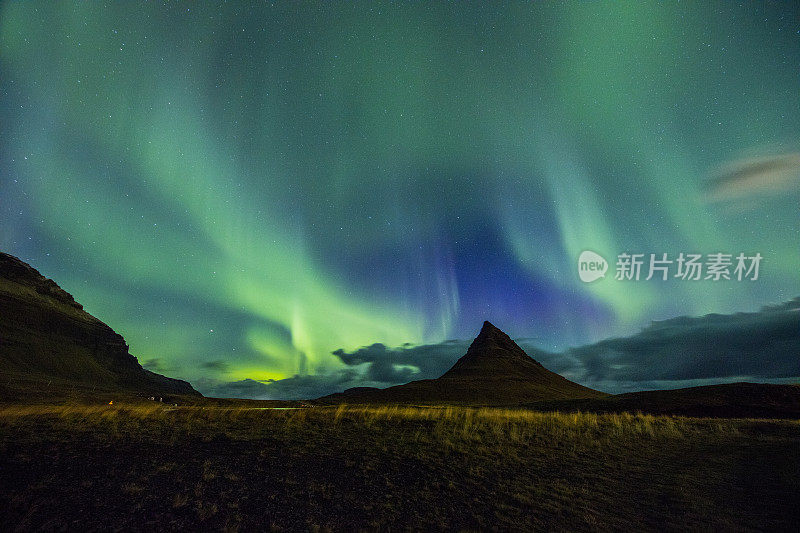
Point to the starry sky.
(248, 193)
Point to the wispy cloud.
(218, 365)
(757, 176)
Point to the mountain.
(493, 354)
(728, 400)
(49, 344)
(494, 371)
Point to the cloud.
(758, 176)
(153, 365)
(685, 351)
(405, 363)
(293, 388)
(218, 365)
(158, 365)
(764, 345)
(246, 388)
(370, 366)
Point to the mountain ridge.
(46, 336)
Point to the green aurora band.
(240, 191)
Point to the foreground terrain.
(152, 466)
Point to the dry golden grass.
(392, 467)
(448, 422)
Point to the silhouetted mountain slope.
(46, 336)
(731, 400)
(494, 371)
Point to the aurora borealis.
(242, 190)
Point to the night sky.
(243, 191)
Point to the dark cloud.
(155, 365)
(218, 365)
(305, 387)
(764, 345)
(370, 366)
(405, 363)
(293, 388)
(391, 365)
(681, 352)
(246, 388)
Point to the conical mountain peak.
(489, 329)
(494, 371)
(491, 333)
(493, 354)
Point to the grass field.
(149, 466)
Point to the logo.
(591, 266)
(684, 266)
